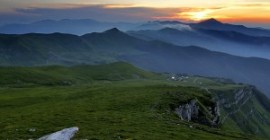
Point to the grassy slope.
(103, 111)
(59, 75)
(116, 101)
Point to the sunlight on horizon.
(198, 15)
(241, 11)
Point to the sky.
(248, 12)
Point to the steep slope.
(244, 103)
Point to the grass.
(59, 75)
(105, 111)
(114, 101)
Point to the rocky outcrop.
(188, 111)
(210, 115)
(65, 134)
(193, 111)
(242, 107)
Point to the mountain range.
(114, 45)
(210, 34)
(83, 26)
(214, 24)
(169, 79)
(71, 26)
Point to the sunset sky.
(249, 12)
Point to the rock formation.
(188, 110)
(65, 134)
(193, 111)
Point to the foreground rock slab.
(65, 134)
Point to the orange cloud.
(250, 13)
(119, 6)
(235, 12)
(240, 12)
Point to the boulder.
(65, 134)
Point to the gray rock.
(188, 111)
(65, 134)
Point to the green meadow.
(114, 101)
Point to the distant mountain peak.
(211, 21)
(111, 33)
(113, 30)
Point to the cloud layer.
(98, 12)
(257, 14)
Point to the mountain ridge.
(230, 42)
(107, 47)
(83, 26)
(211, 21)
(71, 26)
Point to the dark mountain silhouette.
(214, 24)
(210, 22)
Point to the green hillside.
(74, 75)
(35, 49)
(120, 101)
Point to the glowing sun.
(197, 15)
(200, 15)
